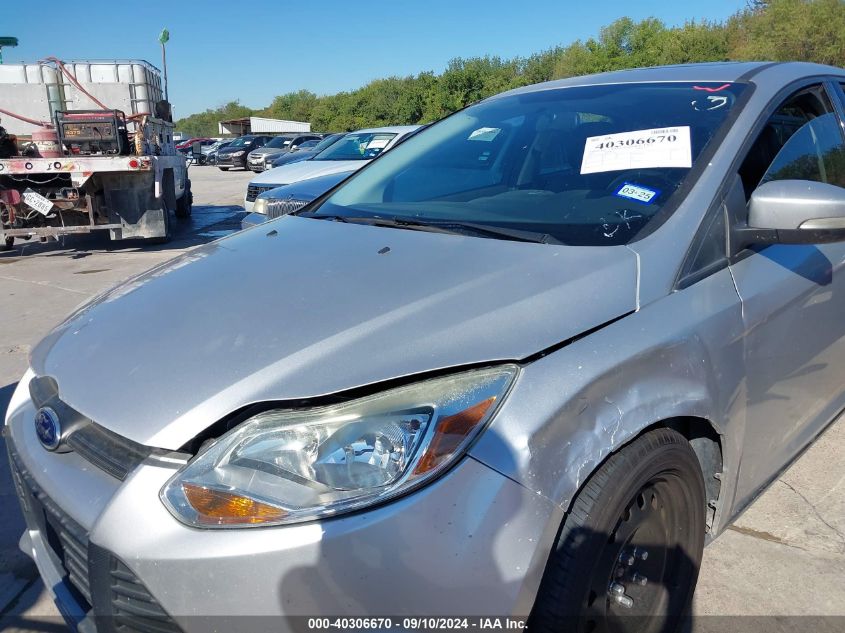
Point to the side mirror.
(792, 212)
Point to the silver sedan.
(528, 363)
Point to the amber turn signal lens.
(216, 507)
(450, 433)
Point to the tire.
(641, 513)
(184, 205)
(223, 168)
(7, 244)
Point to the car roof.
(393, 129)
(755, 72)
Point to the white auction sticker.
(37, 202)
(640, 149)
(378, 143)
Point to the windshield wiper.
(450, 226)
(516, 235)
(311, 214)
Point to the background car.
(306, 154)
(234, 155)
(281, 144)
(211, 154)
(305, 145)
(289, 198)
(186, 146)
(352, 152)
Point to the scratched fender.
(574, 407)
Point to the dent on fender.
(654, 365)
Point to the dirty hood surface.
(300, 307)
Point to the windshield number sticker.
(640, 149)
(637, 192)
(378, 143)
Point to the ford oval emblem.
(48, 429)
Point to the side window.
(801, 140)
(814, 152)
(708, 253)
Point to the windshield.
(357, 146)
(243, 141)
(278, 142)
(588, 165)
(327, 142)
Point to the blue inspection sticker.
(637, 192)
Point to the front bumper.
(227, 160)
(471, 543)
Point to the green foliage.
(781, 30)
(205, 123)
(808, 30)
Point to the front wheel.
(628, 554)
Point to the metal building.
(260, 125)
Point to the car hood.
(230, 150)
(267, 151)
(295, 157)
(299, 308)
(294, 172)
(309, 189)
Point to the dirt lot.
(785, 556)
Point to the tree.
(809, 30)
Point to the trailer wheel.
(184, 205)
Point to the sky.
(253, 50)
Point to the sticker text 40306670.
(639, 149)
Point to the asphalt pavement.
(785, 556)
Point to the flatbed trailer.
(129, 196)
(67, 169)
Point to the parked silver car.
(256, 160)
(280, 201)
(526, 363)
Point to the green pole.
(163, 38)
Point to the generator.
(93, 132)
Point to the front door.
(793, 298)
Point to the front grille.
(113, 453)
(278, 208)
(66, 537)
(252, 191)
(133, 607)
(96, 577)
(108, 451)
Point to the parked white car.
(352, 152)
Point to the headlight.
(236, 154)
(260, 206)
(285, 466)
